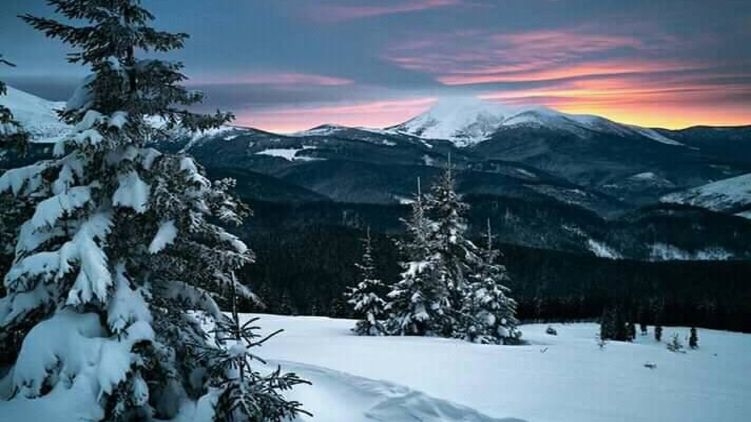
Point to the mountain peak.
(463, 120)
(467, 121)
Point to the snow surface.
(559, 378)
(36, 115)
(722, 195)
(468, 121)
(556, 378)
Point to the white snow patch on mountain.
(667, 252)
(722, 195)
(289, 154)
(526, 173)
(602, 250)
(647, 175)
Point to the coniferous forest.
(305, 271)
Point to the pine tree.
(124, 240)
(675, 344)
(365, 297)
(489, 314)
(613, 325)
(631, 329)
(641, 316)
(457, 256)
(658, 320)
(658, 332)
(245, 393)
(418, 302)
(607, 325)
(693, 339)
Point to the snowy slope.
(35, 114)
(464, 121)
(563, 378)
(556, 379)
(468, 121)
(728, 195)
(39, 117)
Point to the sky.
(286, 65)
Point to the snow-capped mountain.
(38, 116)
(40, 119)
(727, 195)
(468, 121)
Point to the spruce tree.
(631, 330)
(607, 324)
(418, 303)
(489, 314)
(246, 393)
(457, 255)
(124, 240)
(658, 332)
(365, 296)
(659, 311)
(621, 326)
(693, 339)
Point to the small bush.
(675, 344)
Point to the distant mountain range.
(547, 179)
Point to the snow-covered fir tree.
(13, 210)
(418, 303)
(124, 240)
(488, 313)
(365, 296)
(457, 255)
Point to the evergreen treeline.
(305, 270)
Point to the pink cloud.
(274, 78)
(368, 114)
(383, 7)
(535, 72)
(477, 57)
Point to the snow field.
(554, 378)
